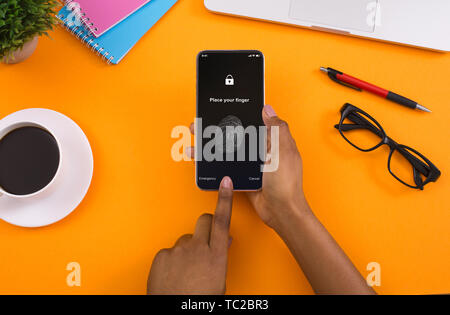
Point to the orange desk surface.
(141, 201)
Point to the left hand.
(197, 264)
(281, 198)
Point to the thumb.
(271, 119)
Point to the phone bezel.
(197, 103)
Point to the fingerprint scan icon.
(232, 136)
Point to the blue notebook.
(118, 41)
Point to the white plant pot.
(24, 53)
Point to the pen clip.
(333, 76)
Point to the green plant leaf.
(22, 20)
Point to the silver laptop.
(419, 23)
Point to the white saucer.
(73, 184)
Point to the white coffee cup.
(5, 131)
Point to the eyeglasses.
(364, 133)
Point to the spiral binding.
(82, 16)
(83, 35)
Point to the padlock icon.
(229, 80)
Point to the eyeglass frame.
(418, 165)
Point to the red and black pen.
(360, 85)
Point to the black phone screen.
(230, 93)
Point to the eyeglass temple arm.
(417, 164)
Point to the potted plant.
(21, 23)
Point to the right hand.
(282, 195)
(197, 264)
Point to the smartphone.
(230, 135)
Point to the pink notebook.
(99, 16)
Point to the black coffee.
(29, 159)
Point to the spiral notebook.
(118, 41)
(99, 16)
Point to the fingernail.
(270, 111)
(227, 183)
